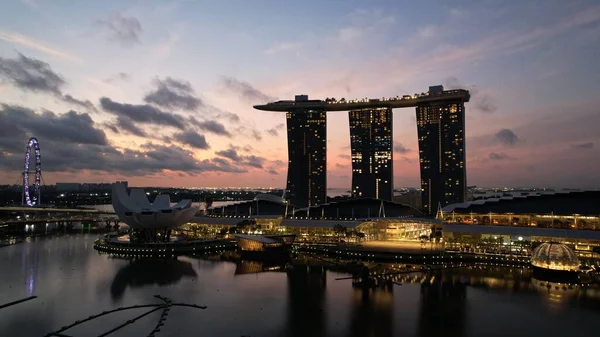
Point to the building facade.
(441, 136)
(372, 153)
(307, 155)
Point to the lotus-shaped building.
(135, 209)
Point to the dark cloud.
(124, 123)
(250, 160)
(230, 153)
(399, 148)
(71, 142)
(507, 137)
(85, 104)
(499, 156)
(192, 138)
(173, 94)
(344, 156)
(482, 102)
(341, 166)
(254, 161)
(273, 172)
(142, 113)
(246, 91)
(210, 126)
(280, 126)
(584, 146)
(71, 126)
(123, 29)
(30, 74)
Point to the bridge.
(53, 210)
(17, 220)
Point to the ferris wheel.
(31, 193)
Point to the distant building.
(412, 199)
(307, 155)
(68, 187)
(441, 136)
(371, 147)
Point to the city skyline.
(161, 95)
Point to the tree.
(232, 230)
(339, 230)
(438, 235)
(223, 231)
(208, 200)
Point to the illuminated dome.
(555, 256)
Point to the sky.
(160, 93)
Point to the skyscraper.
(441, 132)
(307, 155)
(371, 146)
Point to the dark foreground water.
(72, 282)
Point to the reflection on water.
(72, 282)
(140, 273)
(306, 314)
(442, 307)
(372, 312)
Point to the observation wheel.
(31, 193)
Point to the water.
(72, 282)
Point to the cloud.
(28, 42)
(499, 156)
(232, 117)
(482, 101)
(273, 172)
(85, 104)
(192, 138)
(283, 47)
(71, 142)
(173, 94)
(30, 74)
(68, 127)
(341, 166)
(144, 113)
(583, 146)
(246, 91)
(123, 29)
(230, 153)
(117, 77)
(254, 161)
(273, 132)
(125, 123)
(210, 126)
(507, 137)
(399, 148)
(344, 156)
(250, 161)
(428, 31)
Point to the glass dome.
(554, 256)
